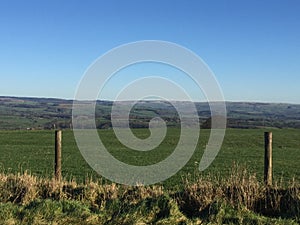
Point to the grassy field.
(230, 191)
(34, 151)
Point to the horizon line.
(162, 100)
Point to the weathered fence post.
(268, 159)
(57, 164)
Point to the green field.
(34, 151)
(229, 194)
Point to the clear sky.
(253, 46)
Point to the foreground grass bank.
(238, 199)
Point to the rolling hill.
(50, 113)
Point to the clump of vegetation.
(237, 199)
(242, 192)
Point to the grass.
(230, 191)
(237, 199)
(34, 151)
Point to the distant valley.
(49, 113)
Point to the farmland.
(44, 113)
(230, 191)
(34, 151)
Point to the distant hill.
(49, 113)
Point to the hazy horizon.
(72, 99)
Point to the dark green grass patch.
(34, 151)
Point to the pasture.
(34, 151)
(230, 191)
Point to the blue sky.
(253, 47)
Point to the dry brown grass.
(242, 190)
(199, 199)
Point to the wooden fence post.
(268, 159)
(57, 164)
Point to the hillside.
(49, 113)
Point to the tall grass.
(238, 199)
